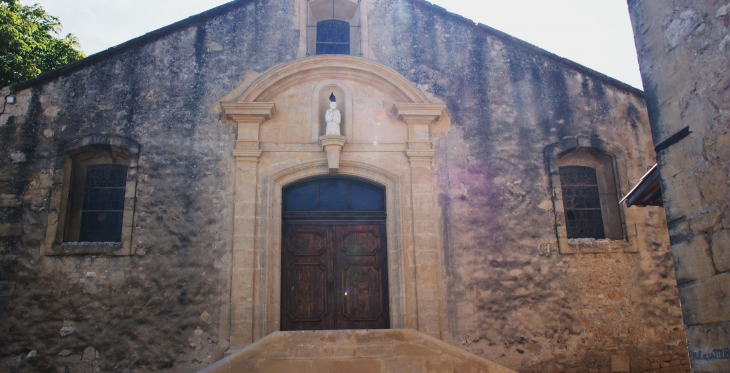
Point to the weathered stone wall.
(508, 294)
(683, 51)
(505, 298)
(161, 307)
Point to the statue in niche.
(333, 117)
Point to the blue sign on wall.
(714, 355)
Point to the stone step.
(353, 351)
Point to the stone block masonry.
(683, 54)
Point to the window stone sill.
(590, 245)
(88, 248)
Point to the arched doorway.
(402, 164)
(334, 272)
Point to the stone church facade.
(165, 202)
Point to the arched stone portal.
(388, 143)
(334, 267)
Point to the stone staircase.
(353, 351)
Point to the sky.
(593, 33)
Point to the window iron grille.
(582, 202)
(333, 37)
(103, 204)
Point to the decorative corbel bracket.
(248, 116)
(419, 118)
(332, 145)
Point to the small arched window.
(96, 192)
(93, 198)
(333, 27)
(589, 195)
(584, 180)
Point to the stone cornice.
(420, 155)
(418, 113)
(248, 116)
(248, 112)
(332, 140)
(419, 118)
(247, 155)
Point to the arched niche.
(321, 101)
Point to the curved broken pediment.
(287, 105)
(332, 67)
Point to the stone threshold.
(389, 350)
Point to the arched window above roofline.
(333, 27)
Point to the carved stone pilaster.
(420, 153)
(248, 116)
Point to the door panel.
(361, 277)
(361, 240)
(334, 277)
(308, 292)
(308, 241)
(306, 278)
(361, 283)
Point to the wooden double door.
(334, 276)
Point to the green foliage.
(28, 43)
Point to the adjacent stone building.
(683, 51)
(171, 201)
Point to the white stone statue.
(333, 117)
